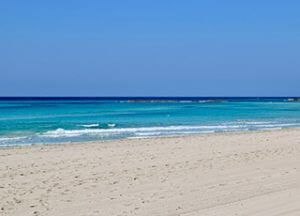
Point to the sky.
(150, 48)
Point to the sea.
(45, 120)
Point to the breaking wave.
(96, 125)
(156, 131)
(90, 125)
(95, 132)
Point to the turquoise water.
(33, 121)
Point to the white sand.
(255, 173)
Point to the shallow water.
(32, 120)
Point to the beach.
(243, 173)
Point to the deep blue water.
(52, 120)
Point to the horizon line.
(149, 97)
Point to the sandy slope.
(255, 173)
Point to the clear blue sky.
(150, 48)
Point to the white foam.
(276, 125)
(256, 122)
(148, 133)
(156, 131)
(62, 133)
(277, 128)
(11, 138)
(90, 125)
(69, 133)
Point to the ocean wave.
(110, 131)
(254, 122)
(63, 133)
(270, 129)
(90, 125)
(12, 138)
(146, 131)
(171, 134)
(277, 125)
(108, 125)
(69, 133)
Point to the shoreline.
(146, 138)
(236, 173)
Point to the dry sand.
(254, 173)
